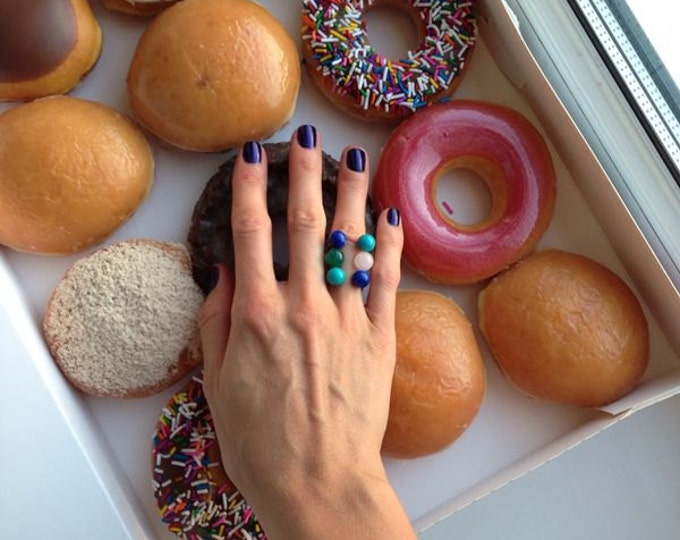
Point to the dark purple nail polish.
(356, 159)
(252, 152)
(393, 217)
(306, 136)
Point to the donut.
(71, 172)
(210, 239)
(439, 380)
(565, 328)
(343, 64)
(505, 150)
(46, 47)
(121, 323)
(208, 75)
(138, 7)
(195, 497)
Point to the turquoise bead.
(335, 276)
(334, 257)
(366, 242)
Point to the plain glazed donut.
(210, 240)
(343, 64)
(565, 328)
(195, 497)
(439, 379)
(208, 75)
(46, 47)
(505, 150)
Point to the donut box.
(512, 433)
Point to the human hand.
(298, 374)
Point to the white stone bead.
(363, 260)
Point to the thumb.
(214, 320)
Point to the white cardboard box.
(512, 433)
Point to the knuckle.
(389, 277)
(244, 224)
(305, 219)
(258, 315)
(308, 163)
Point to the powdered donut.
(195, 497)
(122, 322)
(210, 240)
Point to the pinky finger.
(386, 272)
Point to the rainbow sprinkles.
(195, 499)
(335, 34)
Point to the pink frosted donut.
(505, 150)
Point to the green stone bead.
(335, 276)
(334, 257)
(366, 242)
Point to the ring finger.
(350, 210)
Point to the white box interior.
(511, 434)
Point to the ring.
(362, 259)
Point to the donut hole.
(463, 197)
(391, 31)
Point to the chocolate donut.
(210, 239)
(195, 497)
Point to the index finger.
(251, 225)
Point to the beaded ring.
(335, 259)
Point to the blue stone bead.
(366, 242)
(361, 278)
(337, 239)
(335, 276)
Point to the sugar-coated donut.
(71, 172)
(347, 69)
(195, 498)
(439, 380)
(505, 150)
(46, 47)
(139, 7)
(208, 75)
(121, 323)
(565, 328)
(210, 239)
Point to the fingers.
(350, 215)
(386, 273)
(250, 221)
(306, 218)
(214, 321)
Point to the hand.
(298, 374)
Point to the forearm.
(354, 508)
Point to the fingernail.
(356, 159)
(306, 136)
(393, 217)
(252, 152)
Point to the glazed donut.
(208, 75)
(439, 378)
(210, 240)
(139, 7)
(121, 323)
(565, 328)
(195, 497)
(342, 62)
(71, 172)
(46, 47)
(505, 150)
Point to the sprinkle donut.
(510, 156)
(195, 498)
(347, 69)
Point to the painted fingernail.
(393, 217)
(252, 152)
(306, 136)
(356, 159)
